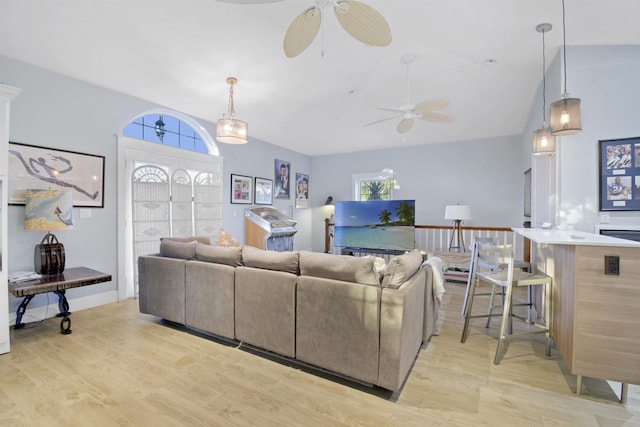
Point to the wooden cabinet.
(7, 93)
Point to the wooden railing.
(432, 238)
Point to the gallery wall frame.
(619, 163)
(44, 168)
(241, 189)
(302, 191)
(263, 191)
(281, 179)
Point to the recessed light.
(490, 61)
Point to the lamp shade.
(566, 117)
(48, 210)
(457, 212)
(544, 143)
(232, 131)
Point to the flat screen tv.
(375, 224)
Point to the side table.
(57, 283)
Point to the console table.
(57, 283)
(595, 300)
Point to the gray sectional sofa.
(334, 312)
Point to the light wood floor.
(122, 368)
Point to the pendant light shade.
(566, 117)
(230, 130)
(543, 142)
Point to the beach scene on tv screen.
(377, 224)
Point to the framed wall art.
(281, 179)
(41, 168)
(619, 162)
(302, 191)
(263, 191)
(241, 190)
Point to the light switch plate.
(85, 213)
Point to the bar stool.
(494, 265)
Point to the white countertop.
(572, 237)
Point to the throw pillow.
(225, 239)
(270, 260)
(401, 268)
(183, 250)
(219, 254)
(339, 267)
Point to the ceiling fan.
(361, 21)
(427, 110)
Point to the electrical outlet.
(612, 265)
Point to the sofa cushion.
(270, 260)
(339, 267)
(219, 254)
(225, 239)
(401, 268)
(173, 249)
(202, 239)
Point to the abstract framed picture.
(263, 191)
(619, 162)
(41, 168)
(241, 190)
(302, 191)
(281, 177)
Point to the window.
(166, 130)
(373, 186)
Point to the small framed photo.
(619, 174)
(241, 190)
(281, 176)
(302, 191)
(263, 191)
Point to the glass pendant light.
(543, 141)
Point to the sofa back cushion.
(219, 254)
(174, 249)
(202, 239)
(401, 268)
(270, 260)
(339, 267)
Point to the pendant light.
(229, 129)
(566, 117)
(543, 141)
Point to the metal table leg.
(20, 311)
(63, 306)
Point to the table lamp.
(48, 210)
(457, 213)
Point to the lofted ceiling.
(483, 56)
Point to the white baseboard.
(37, 314)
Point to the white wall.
(607, 81)
(485, 174)
(64, 113)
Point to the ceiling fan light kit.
(361, 21)
(427, 110)
(566, 114)
(230, 130)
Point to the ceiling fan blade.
(381, 120)
(436, 104)
(363, 22)
(437, 116)
(302, 31)
(404, 125)
(395, 110)
(249, 1)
